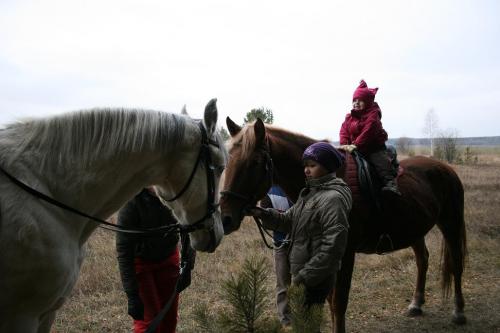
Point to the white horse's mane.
(87, 135)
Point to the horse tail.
(454, 246)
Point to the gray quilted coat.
(318, 226)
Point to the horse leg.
(341, 294)
(422, 258)
(458, 313)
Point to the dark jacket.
(318, 226)
(144, 211)
(364, 130)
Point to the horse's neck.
(288, 167)
(101, 187)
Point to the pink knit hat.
(364, 93)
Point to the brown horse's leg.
(422, 258)
(342, 292)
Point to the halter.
(204, 155)
(269, 168)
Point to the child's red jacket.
(364, 130)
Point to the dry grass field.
(382, 285)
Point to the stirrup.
(384, 244)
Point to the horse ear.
(260, 132)
(184, 111)
(210, 117)
(232, 127)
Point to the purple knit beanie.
(325, 154)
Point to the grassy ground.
(382, 285)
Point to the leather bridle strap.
(104, 224)
(264, 232)
(204, 150)
(269, 176)
(204, 147)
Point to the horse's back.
(428, 188)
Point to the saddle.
(362, 177)
(365, 186)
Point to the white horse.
(93, 161)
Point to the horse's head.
(249, 172)
(193, 185)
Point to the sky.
(301, 59)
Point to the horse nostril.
(227, 224)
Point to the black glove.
(184, 278)
(136, 307)
(257, 212)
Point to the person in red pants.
(149, 266)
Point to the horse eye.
(219, 169)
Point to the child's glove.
(348, 148)
(257, 212)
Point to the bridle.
(251, 200)
(269, 169)
(203, 155)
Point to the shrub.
(304, 319)
(247, 295)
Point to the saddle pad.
(351, 178)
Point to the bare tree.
(447, 146)
(431, 127)
(403, 145)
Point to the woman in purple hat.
(317, 223)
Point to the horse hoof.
(414, 312)
(459, 319)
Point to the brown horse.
(432, 194)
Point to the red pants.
(156, 284)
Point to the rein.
(204, 154)
(263, 232)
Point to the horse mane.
(246, 138)
(296, 139)
(88, 135)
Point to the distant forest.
(474, 141)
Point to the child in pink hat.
(362, 130)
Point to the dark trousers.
(283, 279)
(318, 293)
(382, 163)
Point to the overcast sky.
(302, 59)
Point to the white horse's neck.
(99, 185)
